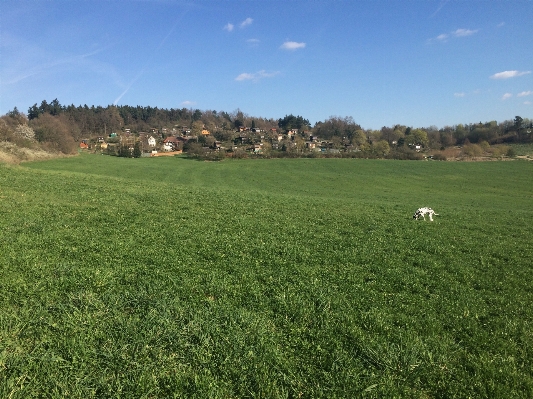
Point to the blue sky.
(417, 63)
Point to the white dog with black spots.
(422, 212)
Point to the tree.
(197, 115)
(53, 132)
(417, 137)
(197, 127)
(137, 150)
(518, 122)
(381, 148)
(345, 128)
(359, 138)
(33, 112)
(293, 122)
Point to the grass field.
(160, 278)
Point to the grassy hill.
(269, 278)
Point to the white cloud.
(443, 37)
(527, 102)
(246, 22)
(253, 42)
(464, 32)
(188, 103)
(506, 96)
(256, 76)
(459, 94)
(229, 27)
(292, 46)
(509, 74)
(500, 24)
(525, 93)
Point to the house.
(171, 144)
(242, 139)
(151, 141)
(256, 149)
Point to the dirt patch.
(166, 154)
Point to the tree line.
(56, 127)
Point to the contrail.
(442, 4)
(143, 69)
(129, 86)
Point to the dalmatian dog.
(423, 211)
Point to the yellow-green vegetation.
(287, 278)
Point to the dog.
(423, 211)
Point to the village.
(244, 140)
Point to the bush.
(405, 153)
(472, 150)
(439, 157)
(53, 133)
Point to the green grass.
(168, 277)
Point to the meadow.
(288, 278)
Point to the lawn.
(167, 277)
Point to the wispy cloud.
(256, 77)
(246, 22)
(500, 24)
(229, 27)
(292, 46)
(525, 93)
(459, 94)
(188, 103)
(443, 37)
(509, 74)
(253, 42)
(527, 102)
(464, 32)
(38, 65)
(506, 96)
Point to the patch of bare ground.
(457, 154)
(166, 154)
(13, 154)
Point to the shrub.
(405, 153)
(472, 150)
(53, 133)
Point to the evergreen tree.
(137, 150)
